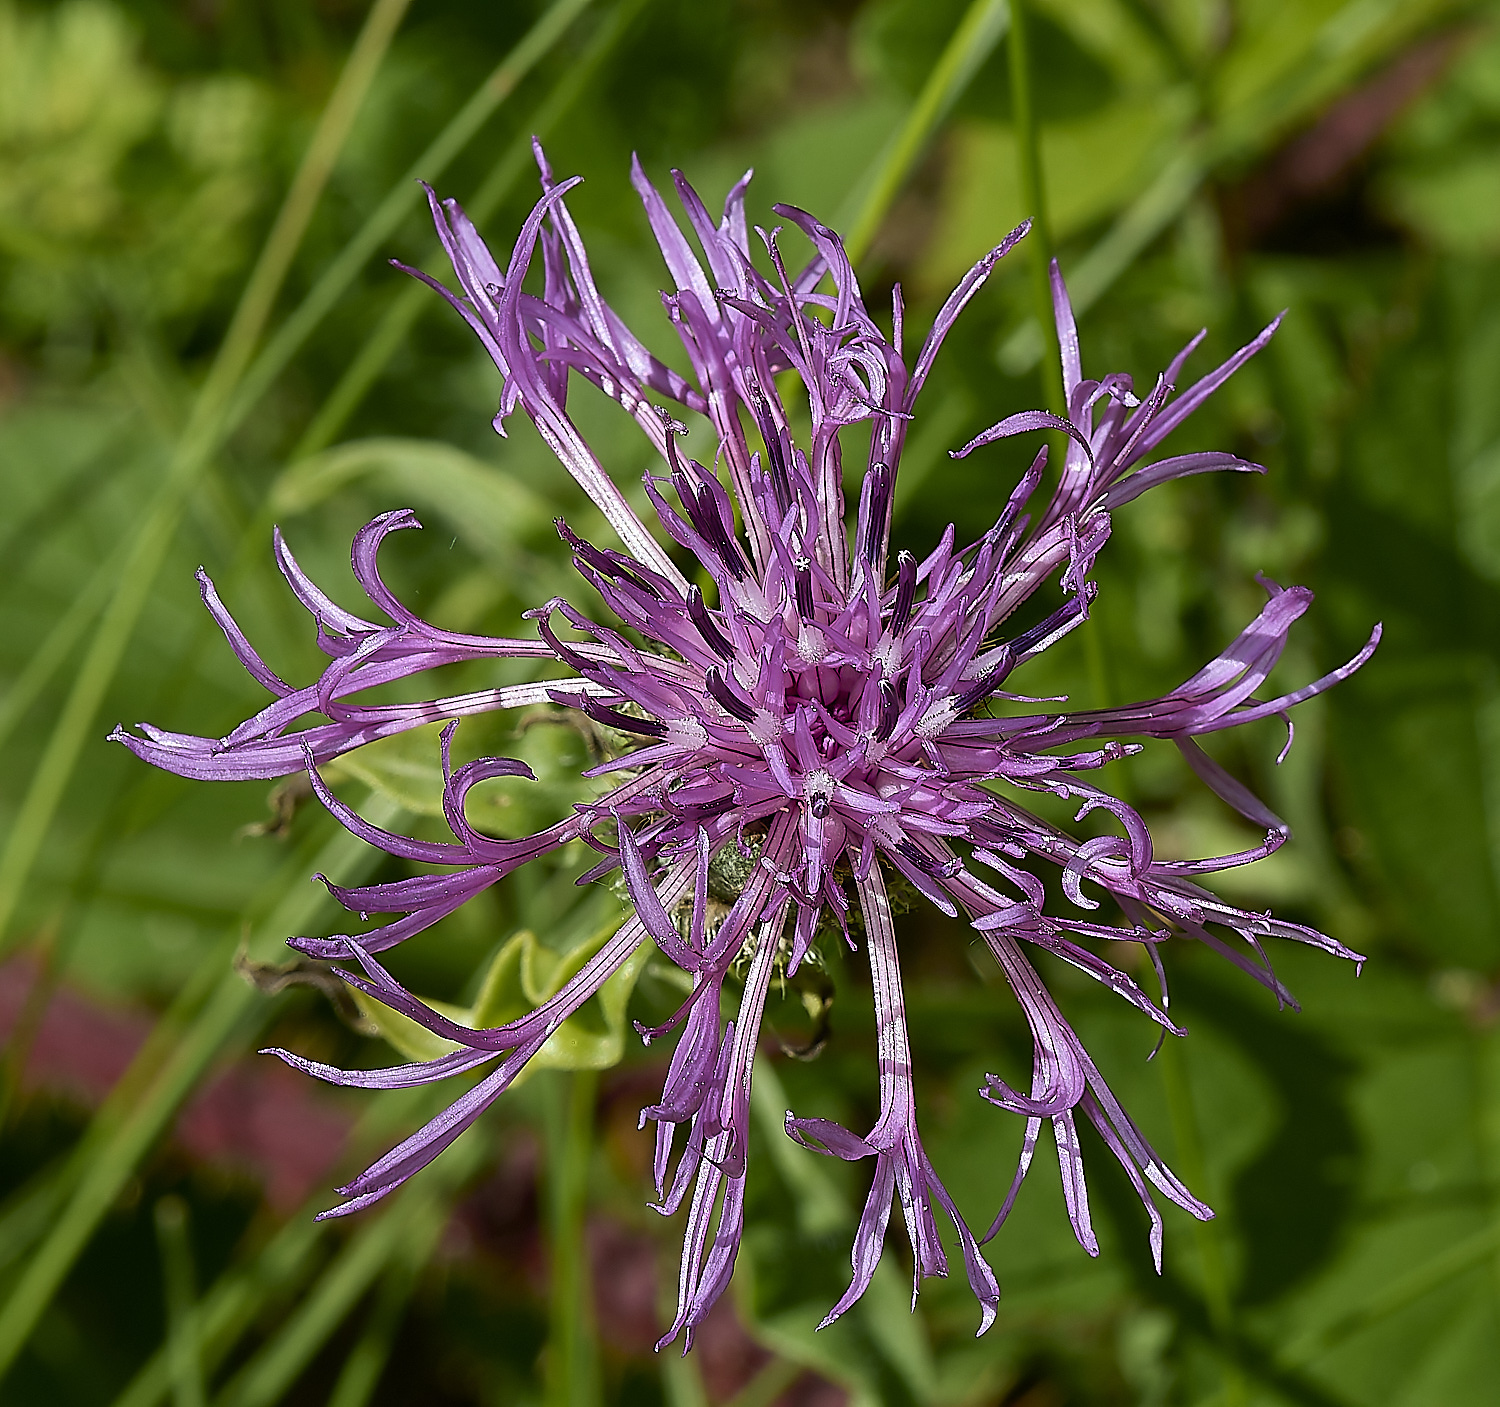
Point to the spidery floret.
(823, 711)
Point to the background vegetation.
(199, 336)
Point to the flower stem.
(571, 1362)
(1207, 1234)
(1034, 198)
(178, 1279)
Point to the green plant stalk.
(218, 410)
(182, 1350)
(409, 1229)
(572, 1372)
(361, 1372)
(1206, 1234)
(223, 1314)
(239, 1297)
(982, 27)
(201, 437)
(532, 47)
(233, 1008)
(1034, 199)
(396, 322)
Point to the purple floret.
(826, 714)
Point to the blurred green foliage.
(1208, 162)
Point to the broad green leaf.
(410, 1038)
(522, 975)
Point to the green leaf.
(521, 976)
(410, 1038)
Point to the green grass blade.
(982, 27)
(200, 438)
(399, 318)
(408, 1229)
(228, 1309)
(1404, 1290)
(399, 203)
(1208, 1235)
(1332, 59)
(374, 354)
(416, 1215)
(233, 1008)
(1034, 199)
(823, 1214)
(239, 1297)
(821, 1208)
(681, 1383)
(100, 1184)
(32, 1209)
(361, 1372)
(767, 1385)
(54, 650)
(334, 127)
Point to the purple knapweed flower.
(826, 715)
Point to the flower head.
(826, 715)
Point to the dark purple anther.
(613, 718)
(906, 591)
(925, 863)
(703, 512)
(890, 710)
(879, 508)
(703, 623)
(727, 699)
(781, 479)
(984, 686)
(607, 564)
(802, 587)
